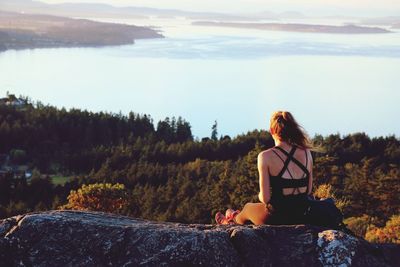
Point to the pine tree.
(214, 131)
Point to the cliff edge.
(73, 238)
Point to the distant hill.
(89, 10)
(393, 21)
(296, 27)
(98, 10)
(20, 31)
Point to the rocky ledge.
(72, 238)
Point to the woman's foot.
(228, 218)
(230, 215)
(221, 219)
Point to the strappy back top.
(278, 183)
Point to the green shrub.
(360, 225)
(327, 191)
(388, 234)
(104, 197)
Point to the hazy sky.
(310, 7)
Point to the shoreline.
(27, 31)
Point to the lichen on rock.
(336, 248)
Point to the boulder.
(76, 238)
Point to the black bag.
(323, 212)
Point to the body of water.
(331, 82)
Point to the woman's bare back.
(276, 159)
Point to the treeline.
(169, 175)
(55, 139)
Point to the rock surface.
(73, 238)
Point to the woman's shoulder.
(272, 151)
(306, 149)
(265, 153)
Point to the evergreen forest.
(165, 174)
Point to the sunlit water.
(331, 82)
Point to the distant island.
(24, 31)
(295, 27)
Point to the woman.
(285, 173)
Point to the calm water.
(332, 83)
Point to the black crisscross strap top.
(292, 203)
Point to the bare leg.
(257, 213)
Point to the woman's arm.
(265, 194)
(310, 169)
